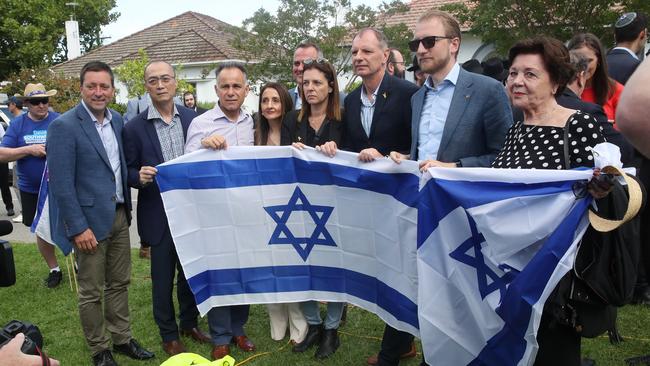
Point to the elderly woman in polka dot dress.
(540, 70)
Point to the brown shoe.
(197, 335)
(243, 343)
(374, 359)
(145, 252)
(220, 351)
(173, 347)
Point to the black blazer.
(298, 132)
(569, 99)
(142, 148)
(621, 65)
(391, 121)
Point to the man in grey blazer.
(459, 119)
(87, 182)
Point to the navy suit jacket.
(621, 65)
(479, 118)
(82, 182)
(391, 120)
(142, 148)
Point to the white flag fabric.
(492, 245)
(257, 225)
(45, 211)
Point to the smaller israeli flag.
(41, 225)
(492, 245)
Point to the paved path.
(21, 232)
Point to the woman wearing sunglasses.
(317, 122)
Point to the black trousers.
(558, 344)
(164, 267)
(394, 343)
(4, 186)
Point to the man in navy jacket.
(154, 136)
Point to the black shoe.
(10, 212)
(313, 337)
(53, 279)
(133, 350)
(329, 343)
(104, 358)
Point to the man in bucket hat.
(24, 143)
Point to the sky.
(137, 15)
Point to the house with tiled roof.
(195, 41)
(471, 45)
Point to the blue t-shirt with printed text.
(24, 131)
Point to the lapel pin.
(385, 95)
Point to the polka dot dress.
(542, 147)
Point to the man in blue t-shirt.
(24, 143)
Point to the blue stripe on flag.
(508, 346)
(253, 172)
(303, 278)
(439, 197)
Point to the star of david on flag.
(283, 235)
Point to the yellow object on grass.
(192, 359)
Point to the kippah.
(625, 20)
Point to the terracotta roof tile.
(188, 37)
(416, 9)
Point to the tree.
(503, 22)
(32, 32)
(68, 88)
(131, 74)
(268, 40)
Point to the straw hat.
(36, 91)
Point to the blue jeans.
(312, 313)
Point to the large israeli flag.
(256, 225)
(492, 245)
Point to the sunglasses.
(427, 42)
(309, 61)
(37, 101)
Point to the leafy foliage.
(32, 32)
(68, 88)
(503, 22)
(131, 74)
(269, 40)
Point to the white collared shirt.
(109, 140)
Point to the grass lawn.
(55, 313)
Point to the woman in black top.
(319, 120)
(540, 70)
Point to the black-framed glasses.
(37, 101)
(427, 42)
(309, 61)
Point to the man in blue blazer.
(630, 31)
(153, 137)
(87, 183)
(460, 119)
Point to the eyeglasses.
(37, 101)
(165, 79)
(427, 42)
(309, 61)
